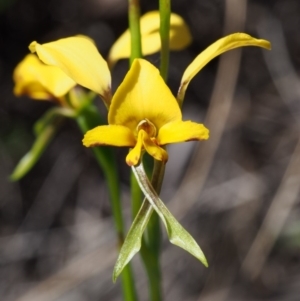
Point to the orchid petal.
(134, 154)
(180, 37)
(222, 45)
(40, 81)
(142, 95)
(154, 150)
(115, 135)
(181, 131)
(79, 58)
(33, 90)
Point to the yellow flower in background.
(53, 81)
(40, 81)
(144, 115)
(180, 37)
(73, 55)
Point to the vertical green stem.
(107, 163)
(150, 250)
(135, 31)
(152, 266)
(165, 15)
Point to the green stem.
(152, 266)
(165, 15)
(135, 31)
(107, 163)
(150, 248)
(153, 233)
(153, 239)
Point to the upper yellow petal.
(180, 37)
(40, 81)
(181, 131)
(79, 58)
(142, 95)
(115, 135)
(222, 45)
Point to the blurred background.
(237, 193)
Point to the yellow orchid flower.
(40, 81)
(144, 115)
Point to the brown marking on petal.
(192, 139)
(182, 84)
(130, 163)
(154, 140)
(106, 97)
(165, 159)
(96, 144)
(147, 126)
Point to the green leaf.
(177, 234)
(132, 243)
(40, 144)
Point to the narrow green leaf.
(37, 149)
(177, 234)
(132, 243)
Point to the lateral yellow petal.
(182, 131)
(134, 154)
(153, 149)
(39, 81)
(222, 45)
(180, 37)
(142, 95)
(115, 135)
(79, 58)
